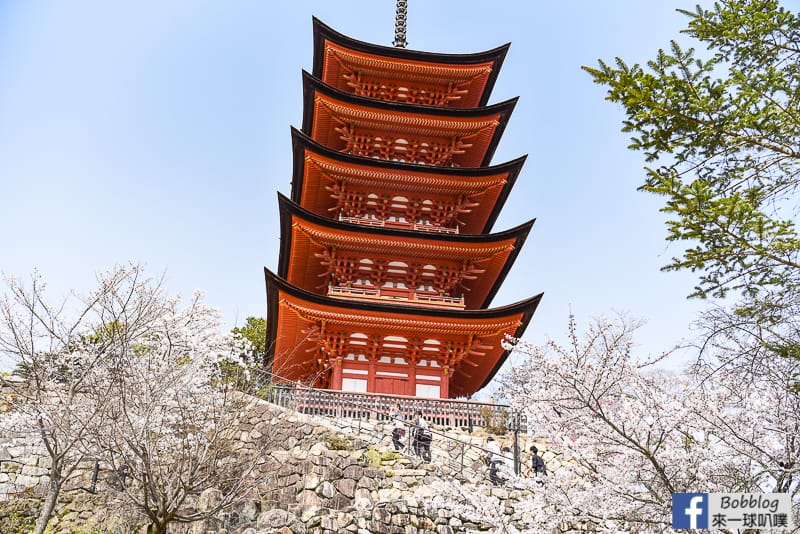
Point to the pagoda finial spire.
(400, 24)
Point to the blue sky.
(159, 132)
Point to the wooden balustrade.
(344, 404)
(367, 221)
(423, 297)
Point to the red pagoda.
(387, 262)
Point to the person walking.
(495, 461)
(399, 427)
(537, 465)
(422, 437)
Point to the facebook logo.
(689, 510)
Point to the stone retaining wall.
(319, 476)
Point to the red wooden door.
(391, 385)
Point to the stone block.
(308, 498)
(389, 494)
(286, 469)
(333, 472)
(329, 523)
(408, 473)
(401, 520)
(362, 493)
(500, 493)
(305, 467)
(344, 519)
(362, 503)
(311, 481)
(340, 502)
(444, 513)
(250, 509)
(27, 481)
(353, 471)
(33, 470)
(318, 448)
(326, 489)
(15, 452)
(346, 486)
(287, 496)
(312, 511)
(276, 518)
(289, 480)
(375, 472)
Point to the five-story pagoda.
(387, 262)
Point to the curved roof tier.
(317, 252)
(402, 75)
(306, 332)
(402, 132)
(324, 181)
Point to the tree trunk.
(53, 489)
(156, 528)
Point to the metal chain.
(400, 24)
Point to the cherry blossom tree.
(629, 435)
(56, 350)
(132, 379)
(174, 417)
(762, 394)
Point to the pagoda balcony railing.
(367, 221)
(424, 298)
(451, 413)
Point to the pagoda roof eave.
(323, 32)
(313, 86)
(518, 232)
(520, 313)
(301, 139)
(401, 311)
(303, 144)
(289, 210)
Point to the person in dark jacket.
(398, 428)
(537, 464)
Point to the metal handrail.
(346, 405)
(374, 406)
